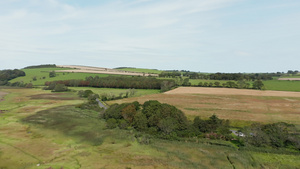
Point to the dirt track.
(100, 70)
(226, 91)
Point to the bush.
(52, 74)
(60, 88)
(111, 123)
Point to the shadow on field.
(84, 125)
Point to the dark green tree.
(258, 84)
(52, 74)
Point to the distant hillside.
(139, 70)
(101, 70)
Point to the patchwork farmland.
(99, 70)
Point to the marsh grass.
(85, 125)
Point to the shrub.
(111, 123)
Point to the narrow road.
(101, 104)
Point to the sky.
(196, 35)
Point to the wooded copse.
(6, 75)
(161, 120)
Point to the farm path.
(101, 104)
(226, 91)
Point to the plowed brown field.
(233, 104)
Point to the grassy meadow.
(138, 92)
(282, 85)
(40, 128)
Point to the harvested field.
(289, 79)
(235, 105)
(87, 69)
(226, 91)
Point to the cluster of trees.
(119, 82)
(292, 72)
(41, 66)
(56, 87)
(6, 75)
(277, 135)
(91, 103)
(169, 74)
(241, 84)
(109, 96)
(239, 76)
(163, 120)
(17, 84)
(52, 74)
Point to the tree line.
(41, 66)
(220, 76)
(241, 84)
(119, 82)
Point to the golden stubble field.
(232, 104)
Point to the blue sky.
(197, 35)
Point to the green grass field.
(282, 85)
(290, 76)
(141, 70)
(139, 92)
(44, 72)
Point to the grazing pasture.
(282, 85)
(42, 76)
(239, 106)
(116, 92)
